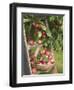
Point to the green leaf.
(45, 58)
(45, 44)
(34, 37)
(33, 49)
(39, 34)
(38, 57)
(48, 33)
(26, 20)
(43, 27)
(51, 18)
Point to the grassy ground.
(59, 61)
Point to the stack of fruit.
(41, 57)
(43, 61)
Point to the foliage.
(45, 31)
(51, 25)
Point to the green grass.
(59, 60)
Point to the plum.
(47, 52)
(39, 41)
(31, 42)
(34, 70)
(42, 52)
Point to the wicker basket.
(45, 67)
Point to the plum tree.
(44, 34)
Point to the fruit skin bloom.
(34, 71)
(36, 25)
(32, 62)
(47, 53)
(39, 41)
(50, 57)
(52, 61)
(33, 24)
(42, 52)
(43, 33)
(31, 42)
